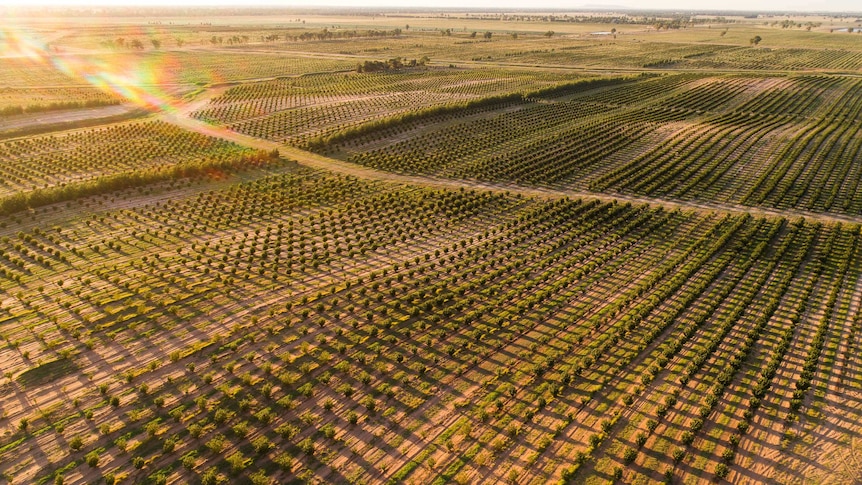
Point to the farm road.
(182, 118)
(63, 116)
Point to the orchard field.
(426, 247)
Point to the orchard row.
(785, 142)
(318, 327)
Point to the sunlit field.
(368, 246)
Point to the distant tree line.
(790, 24)
(55, 106)
(599, 19)
(327, 34)
(135, 44)
(391, 64)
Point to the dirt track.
(183, 119)
(63, 116)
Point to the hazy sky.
(762, 5)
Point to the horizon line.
(382, 8)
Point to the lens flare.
(13, 44)
(138, 78)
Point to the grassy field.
(583, 249)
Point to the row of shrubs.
(109, 183)
(56, 106)
(323, 141)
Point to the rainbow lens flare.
(139, 78)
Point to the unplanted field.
(721, 47)
(684, 56)
(307, 326)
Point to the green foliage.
(76, 443)
(92, 459)
(110, 183)
(210, 476)
(237, 462)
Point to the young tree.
(210, 476)
(76, 443)
(238, 462)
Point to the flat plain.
(429, 247)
